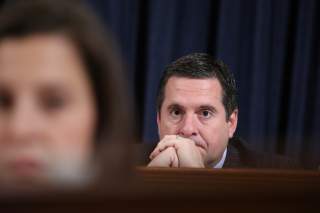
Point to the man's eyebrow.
(208, 107)
(175, 106)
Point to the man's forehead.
(206, 86)
(187, 91)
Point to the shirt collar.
(219, 165)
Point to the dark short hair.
(201, 66)
(73, 19)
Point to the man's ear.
(233, 122)
(158, 118)
(158, 122)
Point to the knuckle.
(171, 149)
(167, 136)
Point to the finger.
(164, 144)
(156, 150)
(167, 158)
(171, 142)
(189, 155)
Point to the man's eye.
(175, 113)
(206, 114)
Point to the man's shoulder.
(241, 155)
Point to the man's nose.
(188, 127)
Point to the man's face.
(193, 108)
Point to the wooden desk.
(189, 190)
(232, 190)
(231, 181)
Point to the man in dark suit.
(197, 116)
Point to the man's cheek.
(169, 128)
(203, 153)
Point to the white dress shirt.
(219, 165)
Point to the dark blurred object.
(190, 190)
(72, 19)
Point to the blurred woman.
(61, 93)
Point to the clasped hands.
(176, 151)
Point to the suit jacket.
(240, 155)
